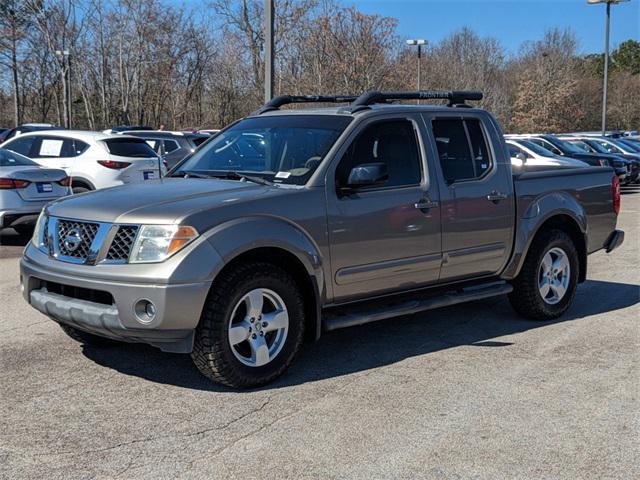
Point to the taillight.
(113, 165)
(10, 183)
(615, 194)
(65, 182)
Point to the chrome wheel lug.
(265, 324)
(252, 319)
(254, 336)
(261, 333)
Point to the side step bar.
(352, 317)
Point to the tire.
(527, 295)
(79, 189)
(87, 338)
(228, 310)
(24, 230)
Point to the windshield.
(566, 146)
(634, 147)
(537, 149)
(282, 149)
(11, 159)
(597, 146)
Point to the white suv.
(93, 160)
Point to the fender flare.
(241, 235)
(537, 214)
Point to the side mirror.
(522, 157)
(368, 174)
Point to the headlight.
(156, 243)
(36, 239)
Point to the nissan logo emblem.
(73, 240)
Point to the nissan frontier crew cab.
(291, 222)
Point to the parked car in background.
(598, 145)
(3, 132)
(92, 159)
(25, 188)
(29, 127)
(415, 206)
(566, 149)
(527, 154)
(171, 146)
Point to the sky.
(510, 21)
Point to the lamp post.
(268, 51)
(65, 70)
(419, 43)
(606, 57)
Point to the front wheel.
(251, 327)
(546, 285)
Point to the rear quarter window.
(130, 147)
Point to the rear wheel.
(87, 338)
(252, 326)
(546, 285)
(80, 189)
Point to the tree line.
(151, 62)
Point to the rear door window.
(170, 146)
(130, 147)
(56, 147)
(21, 145)
(462, 149)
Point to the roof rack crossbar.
(455, 97)
(277, 102)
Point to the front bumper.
(178, 306)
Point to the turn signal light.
(113, 165)
(182, 236)
(11, 183)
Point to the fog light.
(145, 311)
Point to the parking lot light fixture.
(418, 43)
(606, 56)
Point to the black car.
(27, 127)
(564, 148)
(592, 145)
(171, 146)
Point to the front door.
(476, 197)
(383, 237)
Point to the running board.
(350, 317)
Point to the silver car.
(25, 188)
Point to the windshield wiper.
(190, 174)
(229, 175)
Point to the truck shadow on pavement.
(375, 345)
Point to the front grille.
(75, 238)
(122, 243)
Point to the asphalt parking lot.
(470, 391)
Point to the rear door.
(383, 237)
(476, 194)
(57, 152)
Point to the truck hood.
(161, 202)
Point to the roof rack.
(456, 97)
(276, 102)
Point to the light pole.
(65, 70)
(268, 51)
(606, 58)
(419, 43)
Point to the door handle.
(425, 204)
(495, 196)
